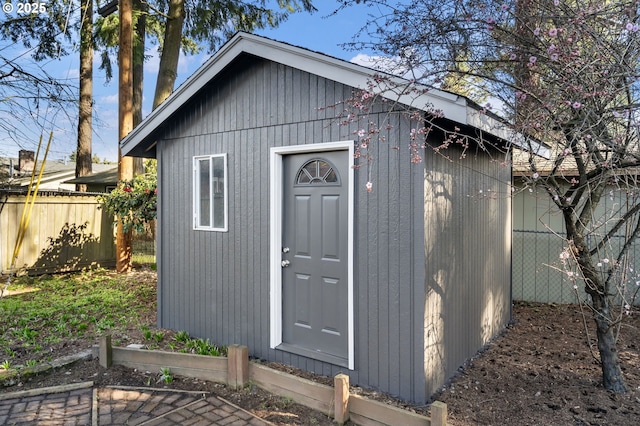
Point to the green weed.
(182, 336)
(158, 336)
(165, 375)
(205, 347)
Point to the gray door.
(315, 240)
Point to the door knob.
(285, 263)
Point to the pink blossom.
(369, 186)
(556, 2)
(361, 133)
(535, 175)
(553, 32)
(576, 105)
(536, 32)
(532, 59)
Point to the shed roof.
(141, 141)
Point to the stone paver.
(60, 408)
(113, 406)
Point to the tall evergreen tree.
(85, 104)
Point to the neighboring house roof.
(105, 177)
(54, 177)
(141, 141)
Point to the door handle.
(285, 263)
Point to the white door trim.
(275, 231)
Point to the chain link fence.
(539, 276)
(143, 250)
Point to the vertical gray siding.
(216, 284)
(468, 248)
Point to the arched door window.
(317, 172)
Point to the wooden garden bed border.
(236, 371)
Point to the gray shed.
(268, 238)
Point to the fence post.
(106, 353)
(238, 366)
(341, 398)
(438, 414)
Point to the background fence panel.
(67, 232)
(538, 275)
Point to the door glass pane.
(316, 172)
(204, 182)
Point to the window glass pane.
(218, 192)
(205, 193)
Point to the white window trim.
(275, 231)
(196, 193)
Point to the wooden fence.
(236, 371)
(66, 232)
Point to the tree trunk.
(125, 123)
(170, 52)
(138, 73)
(83, 152)
(612, 378)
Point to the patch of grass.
(69, 311)
(67, 307)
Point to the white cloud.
(109, 99)
(383, 64)
(152, 64)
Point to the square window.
(210, 192)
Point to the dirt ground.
(540, 371)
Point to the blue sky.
(321, 31)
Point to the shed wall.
(467, 211)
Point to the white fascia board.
(491, 125)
